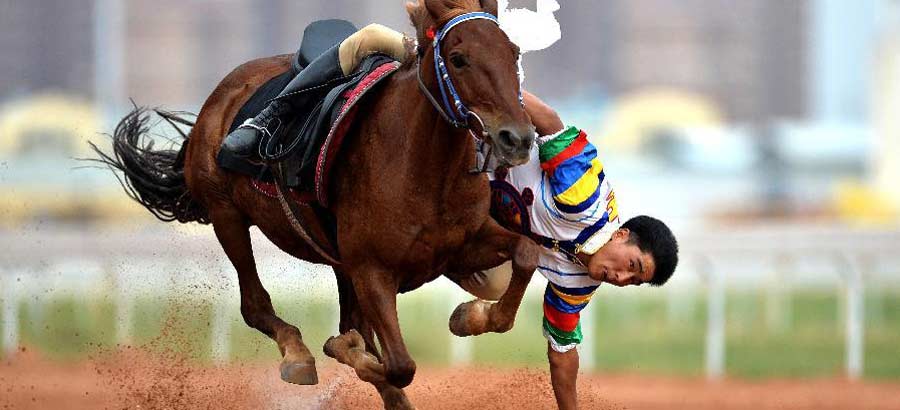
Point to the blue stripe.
(577, 209)
(576, 291)
(557, 303)
(556, 214)
(562, 273)
(591, 230)
(571, 170)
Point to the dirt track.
(132, 380)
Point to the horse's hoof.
(330, 347)
(470, 318)
(395, 399)
(343, 343)
(303, 374)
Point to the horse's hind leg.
(298, 366)
(356, 348)
(350, 347)
(376, 291)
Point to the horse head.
(483, 65)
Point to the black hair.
(653, 236)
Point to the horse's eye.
(459, 60)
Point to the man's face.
(621, 263)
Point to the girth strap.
(295, 215)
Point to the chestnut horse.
(407, 207)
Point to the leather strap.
(295, 216)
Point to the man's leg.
(373, 38)
(564, 377)
(244, 141)
(339, 61)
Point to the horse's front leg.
(491, 247)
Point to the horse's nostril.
(507, 138)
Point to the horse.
(407, 207)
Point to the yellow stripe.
(573, 300)
(612, 206)
(582, 189)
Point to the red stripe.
(562, 321)
(332, 145)
(577, 146)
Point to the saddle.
(308, 145)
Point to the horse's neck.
(432, 148)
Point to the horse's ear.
(412, 8)
(421, 19)
(490, 6)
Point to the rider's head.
(643, 250)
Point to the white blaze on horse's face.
(483, 64)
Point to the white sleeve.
(594, 243)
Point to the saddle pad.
(343, 119)
(254, 105)
(261, 98)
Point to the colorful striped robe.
(568, 198)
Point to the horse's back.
(201, 171)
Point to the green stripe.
(564, 338)
(559, 143)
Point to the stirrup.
(248, 123)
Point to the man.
(572, 211)
(562, 199)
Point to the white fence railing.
(782, 256)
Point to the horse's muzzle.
(513, 145)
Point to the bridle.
(455, 113)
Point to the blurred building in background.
(781, 103)
(46, 45)
(749, 57)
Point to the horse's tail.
(153, 178)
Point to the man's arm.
(545, 119)
(564, 377)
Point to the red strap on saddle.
(268, 189)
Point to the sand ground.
(132, 379)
